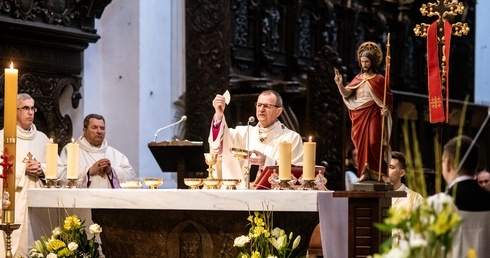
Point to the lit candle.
(309, 155)
(10, 135)
(51, 160)
(72, 160)
(284, 161)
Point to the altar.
(154, 223)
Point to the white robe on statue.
(264, 140)
(34, 142)
(88, 155)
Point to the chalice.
(153, 182)
(211, 159)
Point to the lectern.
(182, 157)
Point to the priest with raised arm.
(264, 138)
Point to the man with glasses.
(30, 167)
(263, 140)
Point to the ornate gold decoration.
(373, 48)
(442, 9)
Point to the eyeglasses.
(27, 109)
(266, 106)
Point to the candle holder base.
(8, 229)
(281, 184)
(72, 183)
(51, 183)
(308, 185)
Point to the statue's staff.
(387, 83)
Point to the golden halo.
(373, 48)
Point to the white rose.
(95, 228)
(56, 231)
(72, 246)
(241, 241)
(52, 255)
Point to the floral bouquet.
(263, 241)
(69, 241)
(427, 231)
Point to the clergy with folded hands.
(99, 165)
(263, 140)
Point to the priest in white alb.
(263, 141)
(29, 171)
(99, 165)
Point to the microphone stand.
(183, 118)
(247, 174)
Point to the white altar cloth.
(333, 212)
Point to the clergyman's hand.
(219, 105)
(33, 168)
(257, 158)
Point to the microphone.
(182, 119)
(247, 175)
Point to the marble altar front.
(154, 223)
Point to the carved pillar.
(207, 62)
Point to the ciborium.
(210, 159)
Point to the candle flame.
(310, 139)
(51, 139)
(11, 65)
(72, 140)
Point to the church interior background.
(144, 64)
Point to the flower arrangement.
(68, 241)
(263, 241)
(427, 231)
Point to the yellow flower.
(65, 252)
(255, 255)
(396, 215)
(55, 245)
(471, 253)
(72, 223)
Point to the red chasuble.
(366, 124)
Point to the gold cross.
(28, 158)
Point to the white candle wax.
(72, 163)
(51, 160)
(284, 161)
(309, 155)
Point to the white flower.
(276, 232)
(271, 256)
(72, 246)
(56, 231)
(278, 243)
(241, 241)
(416, 240)
(95, 228)
(52, 255)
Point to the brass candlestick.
(8, 229)
(72, 183)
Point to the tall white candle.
(309, 155)
(51, 160)
(284, 161)
(72, 160)
(10, 136)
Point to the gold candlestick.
(8, 229)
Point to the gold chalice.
(193, 183)
(153, 182)
(132, 184)
(230, 183)
(211, 159)
(212, 183)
